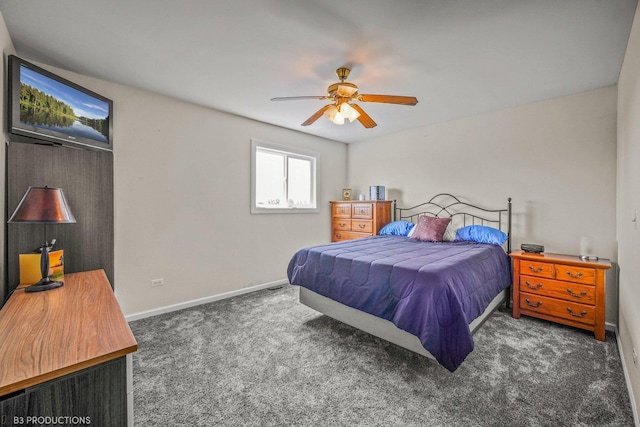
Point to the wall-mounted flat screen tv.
(47, 108)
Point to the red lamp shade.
(43, 205)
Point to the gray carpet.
(265, 359)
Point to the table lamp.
(43, 205)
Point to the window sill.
(255, 210)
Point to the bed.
(424, 295)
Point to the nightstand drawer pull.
(362, 226)
(575, 276)
(582, 314)
(537, 286)
(342, 224)
(538, 304)
(536, 270)
(583, 293)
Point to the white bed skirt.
(378, 327)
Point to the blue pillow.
(481, 234)
(397, 228)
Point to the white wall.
(628, 203)
(7, 49)
(182, 186)
(183, 197)
(556, 159)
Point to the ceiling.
(459, 58)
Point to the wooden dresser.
(66, 353)
(560, 288)
(356, 219)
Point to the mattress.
(431, 290)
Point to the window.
(283, 179)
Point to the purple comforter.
(431, 290)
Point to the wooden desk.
(62, 352)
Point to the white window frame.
(289, 151)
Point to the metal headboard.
(446, 205)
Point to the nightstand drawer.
(580, 313)
(575, 274)
(534, 268)
(342, 224)
(362, 226)
(584, 294)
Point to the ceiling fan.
(343, 94)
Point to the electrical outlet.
(157, 282)
(635, 356)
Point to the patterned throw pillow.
(430, 229)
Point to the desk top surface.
(46, 335)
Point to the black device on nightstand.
(532, 248)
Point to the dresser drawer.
(576, 312)
(342, 224)
(362, 226)
(584, 294)
(362, 210)
(560, 288)
(539, 269)
(348, 235)
(355, 220)
(341, 210)
(575, 274)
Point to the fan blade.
(364, 118)
(389, 99)
(316, 115)
(295, 98)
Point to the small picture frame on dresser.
(346, 194)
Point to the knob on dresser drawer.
(574, 275)
(573, 294)
(530, 286)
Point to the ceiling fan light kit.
(338, 115)
(341, 94)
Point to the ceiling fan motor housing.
(342, 89)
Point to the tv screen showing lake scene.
(51, 105)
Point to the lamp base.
(43, 285)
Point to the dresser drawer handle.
(362, 226)
(338, 236)
(582, 314)
(583, 293)
(575, 276)
(538, 304)
(537, 286)
(342, 224)
(536, 270)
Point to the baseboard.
(205, 300)
(627, 379)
